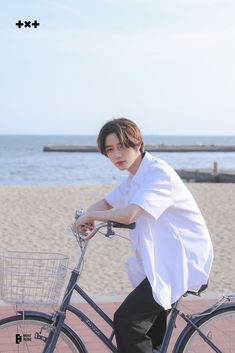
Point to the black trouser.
(139, 322)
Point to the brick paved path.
(91, 341)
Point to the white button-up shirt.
(171, 243)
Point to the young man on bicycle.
(172, 249)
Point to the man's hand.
(84, 224)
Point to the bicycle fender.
(49, 318)
(34, 313)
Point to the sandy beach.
(38, 218)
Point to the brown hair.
(126, 131)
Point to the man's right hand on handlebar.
(83, 225)
(85, 228)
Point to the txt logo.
(26, 24)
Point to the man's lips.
(120, 163)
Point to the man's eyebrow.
(107, 146)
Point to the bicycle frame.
(192, 321)
(106, 340)
(58, 317)
(66, 306)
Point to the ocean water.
(22, 160)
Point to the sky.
(168, 65)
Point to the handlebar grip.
(122, 225)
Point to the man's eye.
(108, 150)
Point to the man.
(172, 249)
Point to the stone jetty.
(206, 176)
(195, 175)
(149, 148)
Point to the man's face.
(122, 157)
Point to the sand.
(38, 218)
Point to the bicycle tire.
(219, 326)
(17, 334)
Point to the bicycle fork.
(54, 332)
(59, 315)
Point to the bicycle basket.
(32, 277)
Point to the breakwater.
(149, 148)
(206, 176)
(213, 175)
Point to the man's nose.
(117, 153)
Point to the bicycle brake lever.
(110, 233)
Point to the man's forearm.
(124, 215)
(101, 205)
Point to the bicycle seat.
(201, 289)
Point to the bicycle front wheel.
(29, 334)
(219, 327)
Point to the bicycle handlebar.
(109, 225)
(122, 225)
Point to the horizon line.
(94, 135)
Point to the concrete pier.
(149, 148)
(206, 176)
(195, 175)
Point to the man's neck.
(134, 167)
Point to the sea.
(23, 161)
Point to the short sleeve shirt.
(171, 243)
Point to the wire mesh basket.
(32, 277)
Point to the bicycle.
(212, 330)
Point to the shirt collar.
(139, 176)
